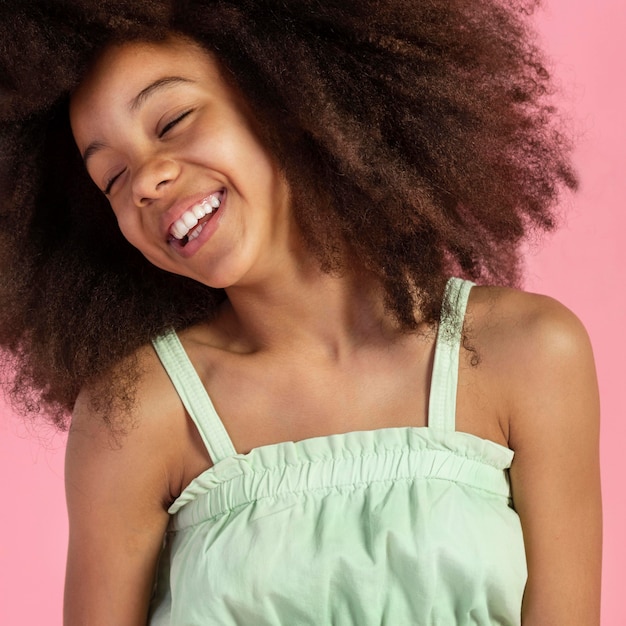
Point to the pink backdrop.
(581, 265)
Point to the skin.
(318, 353)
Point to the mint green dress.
(396, 526)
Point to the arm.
(554, 430)
(118, 490)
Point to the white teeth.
(189, 219)
(179, 230)
(196, 233)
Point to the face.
(175, 149)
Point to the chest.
(267, 400)
(290, 399)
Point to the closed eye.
(111, 182)
(173, 123)
(161, 134)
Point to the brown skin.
(419, 131)
(534, 391)
(318, 354)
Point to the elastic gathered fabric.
(392, 526)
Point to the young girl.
(284, 410)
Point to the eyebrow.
(160, 83)
(136, 103)
(92, 148)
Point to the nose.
(153, 180)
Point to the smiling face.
(177, 152)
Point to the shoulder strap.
(443, 385)
(194, 396)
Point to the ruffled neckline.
(466, 449)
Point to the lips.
(189, 225)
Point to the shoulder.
(529, 317)
(130, 420)
(122, 398)
(119, 475)
(526, 332)
(536, 356)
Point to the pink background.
(582, 266)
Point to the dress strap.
(193, 395)
(443, 385)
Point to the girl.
(228, 231)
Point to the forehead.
(125, 65)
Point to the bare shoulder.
(119, 482)
(539, 358)
(532, 342)
(530, 323)
(147, 399)
(520, 350)
(141, 430)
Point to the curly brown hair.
(422, 132)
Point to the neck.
(307, 307)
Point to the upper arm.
(117, 491)
(554, 431)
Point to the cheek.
(230, 148)
(129, 227)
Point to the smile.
(190, 224)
